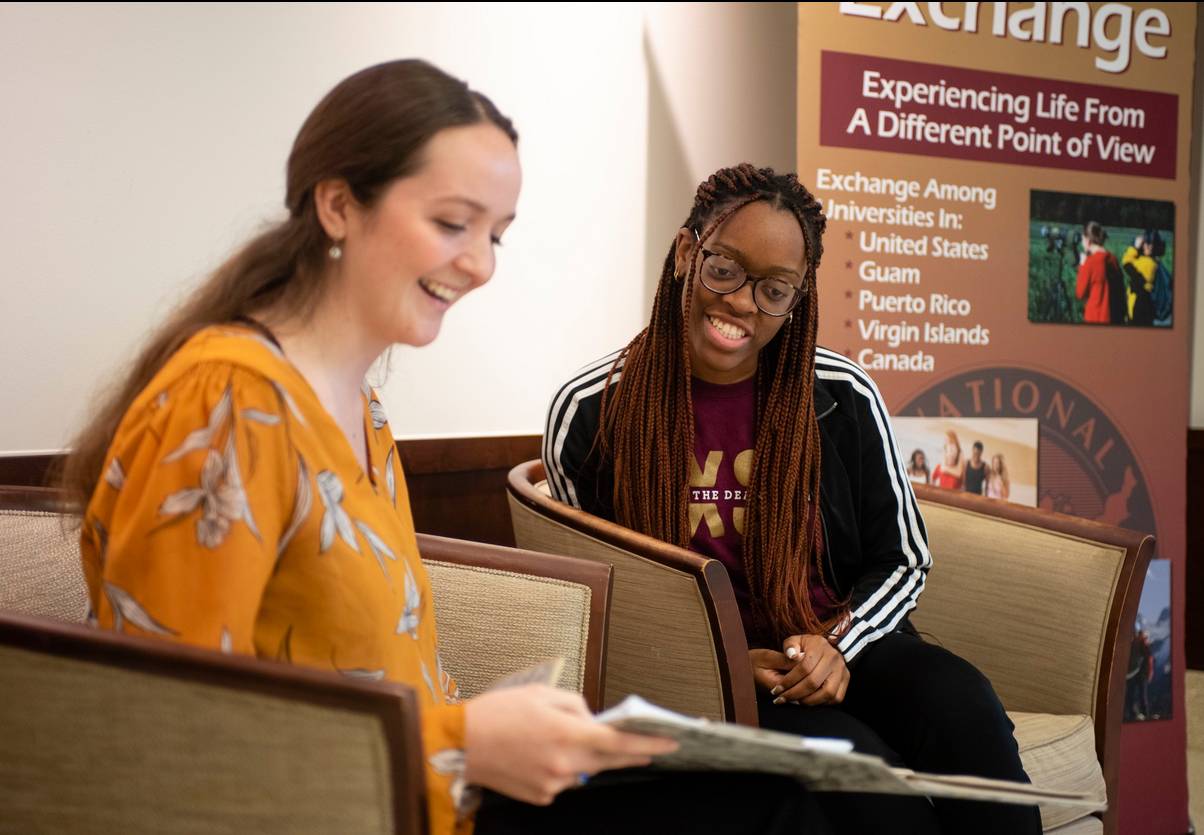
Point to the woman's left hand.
(820, 675)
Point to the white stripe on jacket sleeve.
(586, 382)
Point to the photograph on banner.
(1100, 260)
(995, 457)
(1148, 676)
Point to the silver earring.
(790, 318)
(336, 251)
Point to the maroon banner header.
(882, 104)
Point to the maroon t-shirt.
(724, 435)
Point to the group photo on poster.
(994, 457)
(1100, 260)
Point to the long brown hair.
(647, 424)
(369, 131)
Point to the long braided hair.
(647, 425)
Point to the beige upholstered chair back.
(106, 733)
(500, 610)
(1034, 667)
(667, 640)
(40, 571)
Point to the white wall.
(1195, 253)
(142, 143)
(721, 91)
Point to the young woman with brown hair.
(724, 428)
(240, 489)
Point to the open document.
(821, 764)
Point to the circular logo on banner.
(1085, 467)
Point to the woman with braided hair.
(724, 428)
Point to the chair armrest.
(88, 714)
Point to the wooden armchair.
(675, 634)
(1042, 603)
(106, 732)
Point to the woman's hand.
(819, 675)
(769, 666)
(532, 742)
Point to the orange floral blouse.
(233, 514)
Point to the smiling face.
(728, 331)
(429, 239)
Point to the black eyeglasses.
(723, 275)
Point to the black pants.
(917, 705)
(638, 801)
